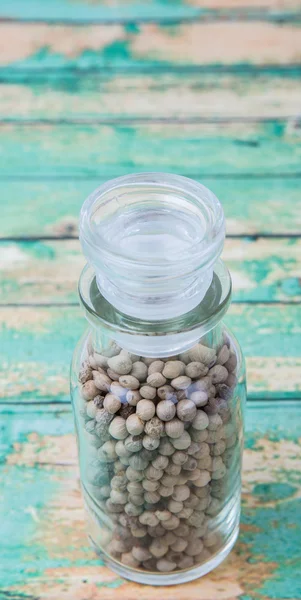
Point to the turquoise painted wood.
(43, 524)
(36, 345)
(81, 151)
(143, 47)
(90, 90)
(262, 270)
(159, 11)
(159, 95)
(35, 206)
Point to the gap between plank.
(205, 16)
(147, 120)
(234, 236)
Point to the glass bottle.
(158, 381)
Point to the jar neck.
(155, 338)
(153, 240)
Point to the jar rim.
(199, 199)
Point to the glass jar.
(158, 381)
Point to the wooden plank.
(43, 518)
(149, 96)
(263, 270)
(106, 150)
(51, 207)
(37, 345)
(41, 46)
(129, 10)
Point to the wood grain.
(263, 270)
(129, 10)
(51, 207)
(43, 519)
(178, 96)
(36, 345)
(42, 46)
(106, 150)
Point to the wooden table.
(91, 90)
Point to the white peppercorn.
(150, 443)
(166, 448)
(135, 487)
(181, 493)
(113, 376)
(91, 409)
(139, 370)
(199, 435)
(111, 403)
(140, 553)
(149, 485)
(185, 513)
(134, 474)
(219, 473)
(182, 442)
(89, 390)
(132, 510)
(179, 458)
(121, 363)
(181, 383)
(153, 474)
(137, 462)
(165, 565)
(194, 547)
(118, 497)
(179, 545)
(186, 562)
(168, 480)
(196, 369)
(203, 479)
(173, 369)
(154, 427)
(156, 380)
(218, 374)
(199, 398)
(166, 392)
(165, 491)
(102, 381)
(160, 462)
(186, 410)
(134, 425)
(156, 367)
(173, 469)
(145, 409)
(117, 389)
(148, 518)
(223, 355)
(172, 523)
(200, 420)
(200, 353)
(158, 548)
(133, 397)
(156, 532)
(174, 506)
(139, 532)
(148, 392)
(85, 372)
(174, 428)
(231, 363)
(133, 443)
(129, 382)
(152, 497)
(117, 428)
(119, 482)
(107, 451)
(166, 410)
(205, 463)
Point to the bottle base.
(183, 576)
